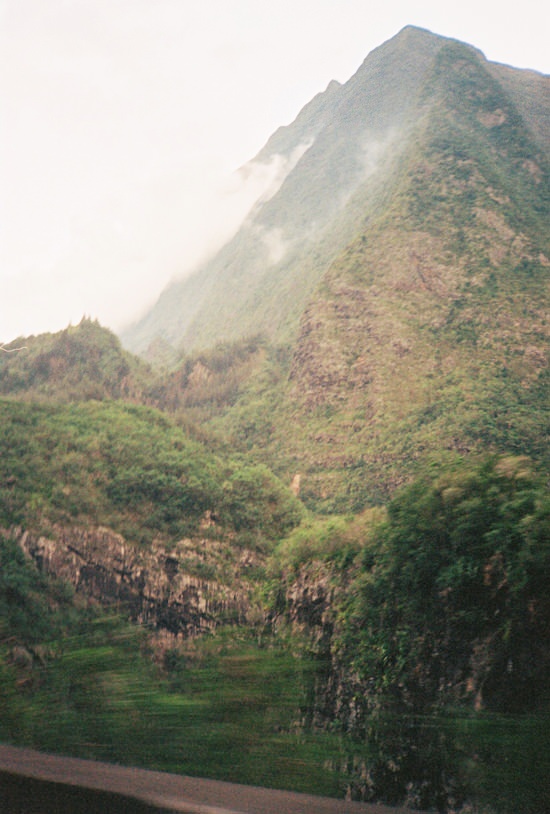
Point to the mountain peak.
(345, 152)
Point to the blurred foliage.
(440, 637)
(77, 681)
(461, 565)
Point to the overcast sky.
(122, 123)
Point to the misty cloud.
(274, 243)
(122, 123)
(376, 150)
(270, 176)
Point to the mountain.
(429, 332)
(403, 270)
(386, 306)
(345, 154)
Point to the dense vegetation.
(78, 681)
(462, 561)
(82, 362)
(428, 333)
(133, 469)
(438, 632)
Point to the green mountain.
(429, 332)
(342, 157)
(403, 265)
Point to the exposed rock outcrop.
(309, 606)
(193, 587)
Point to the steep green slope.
(429, 332)
(261, 279)
(338, 161)
(414, 313)
(530, 94)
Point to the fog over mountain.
(124, 125)
(344, 153)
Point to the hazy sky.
(123, 121)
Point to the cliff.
(193, 587)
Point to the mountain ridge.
(287, 242)
(180, 304)
(428, 332)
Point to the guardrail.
(37, 783)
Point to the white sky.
(121, 122)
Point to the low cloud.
(273, 242)
(270, 175)
(375, 151)
(113, 260)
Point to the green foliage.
(425, 339)
(445, 609)
(251, 697)
(439, 644)
(81, 362)
(460, 564)
(336, 540)
(205, 384)
(505, 759)
(26, 597)
(481, 127)
(259, 505)
(130, 468)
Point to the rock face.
(309, 607)
(196, 586)
(180, 592)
